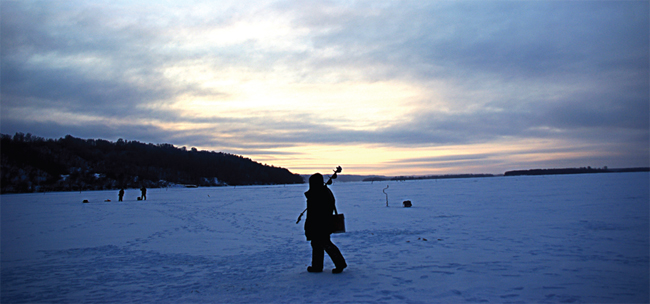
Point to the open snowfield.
(549, 239)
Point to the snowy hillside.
(577, 238)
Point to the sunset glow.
(392, 88)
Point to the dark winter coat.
(320, 207)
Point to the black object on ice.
(407, 204)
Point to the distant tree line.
(580, 170)
(403, 178)
(31, 164)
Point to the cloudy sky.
(390, 87)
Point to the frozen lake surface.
(549, 239)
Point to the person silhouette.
(144, 193)
(318, 225)
(121, 194)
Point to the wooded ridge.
(35, 164)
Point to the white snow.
(566, 238)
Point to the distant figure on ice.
(144, 193)
(318, 225)
(121, 194)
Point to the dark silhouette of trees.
(582, 170)
(31, 163)
(405, 178)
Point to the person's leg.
(335, 255)
(317, 255)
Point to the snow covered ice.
(549, 239)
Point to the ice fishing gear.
(386, 195)
(300, 216)
(334, 176)
(338, 222)
(329, 182)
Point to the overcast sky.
(390, 87)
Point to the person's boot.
(312, 269)
(339, 268)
